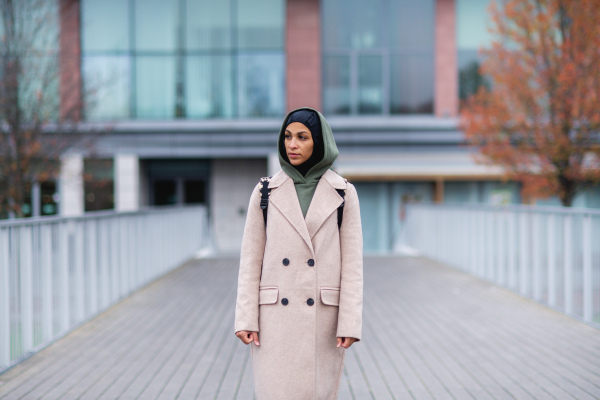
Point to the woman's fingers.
(345, 342)
(245, 336)
(255, 338)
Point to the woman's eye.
(288, 136)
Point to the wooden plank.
(64, 354)
(246, 387)
(81, 368)
(231, 381)
(429, 332)
(166, 333)
(148, 372)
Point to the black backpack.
(264, 200)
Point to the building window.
(378, 58)
(98, 187)
(472, 22)
(164, 59)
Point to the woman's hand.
(345, 342)
(247, 337)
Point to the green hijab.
(306, 185)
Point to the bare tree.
(36, 128)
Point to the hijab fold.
(306, 176)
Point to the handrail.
(58, 272)
(549, 254)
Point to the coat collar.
(286, 201)
(325, 201)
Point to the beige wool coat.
(297, 358)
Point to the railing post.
(4, 299)
(47, 256)
(501, 248)
(523, 252)
(568, 265)
(26, 287)
(103, 256)
(115, 292)
(536, 257)
(79, 280)
(64, 316)
(512, 252)
(92, 257)
(587, 269)
(551, 257)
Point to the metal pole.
(587, 269)
(4, 299)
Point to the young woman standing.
(299, 300)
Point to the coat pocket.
(330, 296)
(268, 295)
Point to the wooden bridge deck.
(430, 332)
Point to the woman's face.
(298, 143)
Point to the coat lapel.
(286, 201)
(325, 201)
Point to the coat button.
(311, 262)
(310, 302)
(284, 301)
(286, 262)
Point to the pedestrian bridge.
(430, 332)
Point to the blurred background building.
(195, 91)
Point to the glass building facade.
(378, 59)
(472, 23)
(165, 59)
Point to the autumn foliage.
(540, 116)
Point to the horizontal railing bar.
(512, 207)
(92, 214)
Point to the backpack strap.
(340, 209)
(264, 196)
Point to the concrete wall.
(232, 182)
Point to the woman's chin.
(295, 162)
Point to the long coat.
(300, 286)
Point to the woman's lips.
(293, 155)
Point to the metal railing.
(551, 255)
(56, 273)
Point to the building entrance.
(177, 181)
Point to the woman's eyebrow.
(306, 132)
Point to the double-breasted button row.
(311, 262)
(285, 302)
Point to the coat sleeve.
(351, 286)
(251, 259)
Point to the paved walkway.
(430, 332)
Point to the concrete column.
(36, 199)
(127, 182)
(71, 185)
(70, 61)
(446, 67)
(303, 54)
(439, 190)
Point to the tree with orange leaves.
(540, 117)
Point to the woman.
(300, 282)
